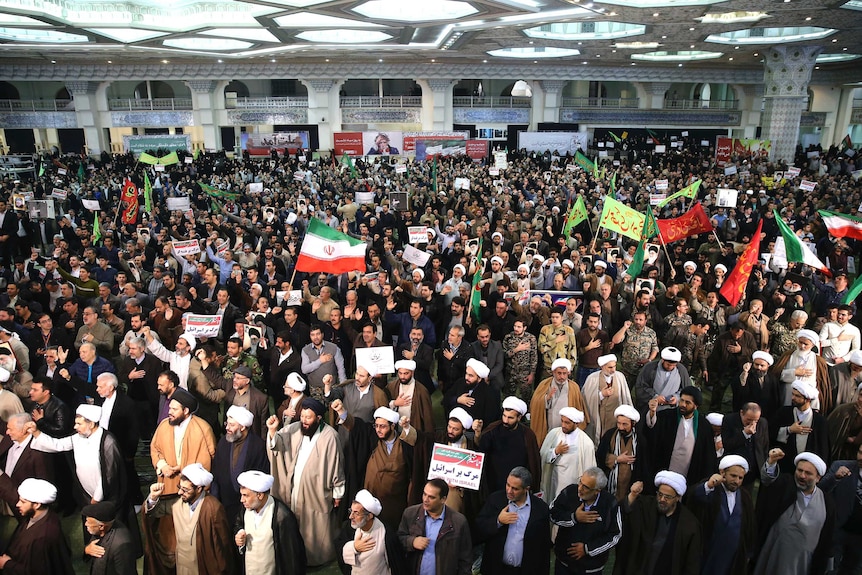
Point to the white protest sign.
(415, 256)
(569, 168)
(417, 234)
(59, 194)
(656, 199)
(661, 184)
(684, 133)
(401, 169)
(298, 176)
(660, 149)
(462, 183)
(203, 325)
(458, 467)
(364, 197)
(255, 188)
(189, 160)
(381, 359)
(187, 248)
(727, 198)
(500, 160)
(294, 297)
(856, 174)
(62, 171)
(92, 205)
(792, 172)
(807, 186)
(730, 170)
(496, 171)
(179, 204)
(159, 168)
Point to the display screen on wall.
(259, 144)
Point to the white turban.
(731, 460)
(461, 415)
(372, 371)
(197, 475)
(671, 354)
(722, 267)
(855, 358)
(480, 368)
(605, 359)
(295, 382)
(241, 415)
(764, 356)
(389, 415)
(419, 271)
(291, 219)
(575, 415)
(190, 339)
(689, 264)
(525, 267)
(89, 412)
(37, 491)
(460, 267)
(408, 364)
(516, 404)
(257, 481)
(496, 235)
(601, 263)
(673, 480)
(628, 411)
(715, 419)
(569, 263)
(561, 362)
(538, 258)
(368, 502)
(497, 259)
(5, 374)
(809, 335)
(808, 391)
(814, 460)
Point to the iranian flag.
(793, 248)
(842, 225)
(327, 250)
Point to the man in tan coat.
(553, 394)
(196, 441)
(308, 471)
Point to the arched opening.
(236, 87)
(381, 87)
(9, 92)
(63, 94)
(153, 89)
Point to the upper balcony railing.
(143, 104)
(588, 102)
(381, 102)
(702, 104)
(266, 103)
(37, 105)
(491, 102)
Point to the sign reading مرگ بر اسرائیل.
(455, 466)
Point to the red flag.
(130, 197)
(734, 286)
(693, 222)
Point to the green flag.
(690, 191)
(97, 231)
(616, 138)
(148, 194)
(637, 264)
(145, 158)
(197, 153)
(170, 159)
(577, 214)
(604, 173)
(584, 162)
(434, 176)
(650, 227)
(853, 292)
(81, 174)
(217, 193)
(41, 168)
(476, 294)
(614, 184)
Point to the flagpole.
(292, 277)
(595, 237)
(664, 245)
(716, 239)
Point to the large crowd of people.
(630, 419)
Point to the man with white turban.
(757, 384)
(796, 518)
(200, 541)
(604, 391)
(551, 395)
(38, 544)
(660, 535)
(622, 452)
(409, 399)
(804, 364)
(367, 546)
(509, 443)
(266, 532)
(566, 453)
(798, 427)
(727, 517)
(474, 394)
(294, 392)
(179, 360)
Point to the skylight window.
(27, 35)
(832, 58)
(311, 20)
(534, 52)
(732, 17)
(206, 44)
(770, 35)
(676, 56)
(127, 35)
(343, 36)
(415, 10)
(251, 34)
(585, 31)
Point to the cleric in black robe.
(785, 429)
(508, 443)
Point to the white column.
(437, 113)
(656, 92)
(552, 101)
(87, 114)
(204, 110)
(324, 108)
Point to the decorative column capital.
(440, 84)
(81, 87)
(201, 86)
(553, 86)
(788, 70)
(321, 85)
(657, 88)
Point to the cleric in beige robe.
(308, 469)
(604, 391)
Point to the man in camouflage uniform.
(556, 340)
(640, 345)
(521, 356)
(691, 341)
(782, 337)
(236, 356)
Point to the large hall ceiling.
(728, 34)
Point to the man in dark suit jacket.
(18, 461)
(843, 482)
(8, 233)
(115, 540)
(139, 373)
(489, 352)
(284, 358)
(505, 509)
(747, 434)
(123, 424)
(452, 358)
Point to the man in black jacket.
(590, 524)
(747, 434)
(514, 525)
